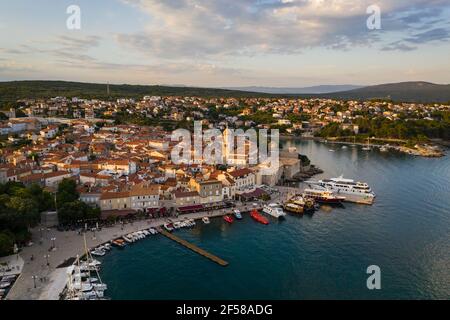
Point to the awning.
(191, 208)
(254, 194)
(116, 213)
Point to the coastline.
(433, 151)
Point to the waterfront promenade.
(42, 280)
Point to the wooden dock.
(194, 248)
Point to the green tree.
(6, 244)
(75, 211)
(67, 192)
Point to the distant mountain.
(418, 91)
(405, 91)
(306, 90)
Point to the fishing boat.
(274, 210)
(258, 217)
(228, 219)
(206, 220)
(237, 214)
(323, 196)
(153, 231)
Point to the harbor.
(323, 254)
(229, 241)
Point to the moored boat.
(274, 210)
(98, 252)
(168, 227)
(119, 243)
(353, 191)
(206, 220)
(228, 219)
(258, 217)
(323, 196)
(293, 207)
(237, 214)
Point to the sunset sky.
(212, 43)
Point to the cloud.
(438, 34)
(398, 46)
(222, 28)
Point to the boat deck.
(194, 248)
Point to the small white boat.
(344, 147)
(5, 284)
(9, 278)
(98, 253)
(177, 225)
(153, 231)
(128, 239)
(100, 286)
(137, 236)
(140, 234)
(206, 220)
(274, 210)
(145, 232)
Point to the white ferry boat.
(274, 210)
(358, 192)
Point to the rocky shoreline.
(306, 175)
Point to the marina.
(227, 240)
(310, 251)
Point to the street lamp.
(34, 280)
(46, 257)
(42, 234)
(53, 242)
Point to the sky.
(226, 43)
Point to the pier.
(194, 248)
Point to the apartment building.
(115, 201)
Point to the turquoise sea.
(323, 256)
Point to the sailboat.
(82, 285)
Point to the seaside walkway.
(194, 248)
